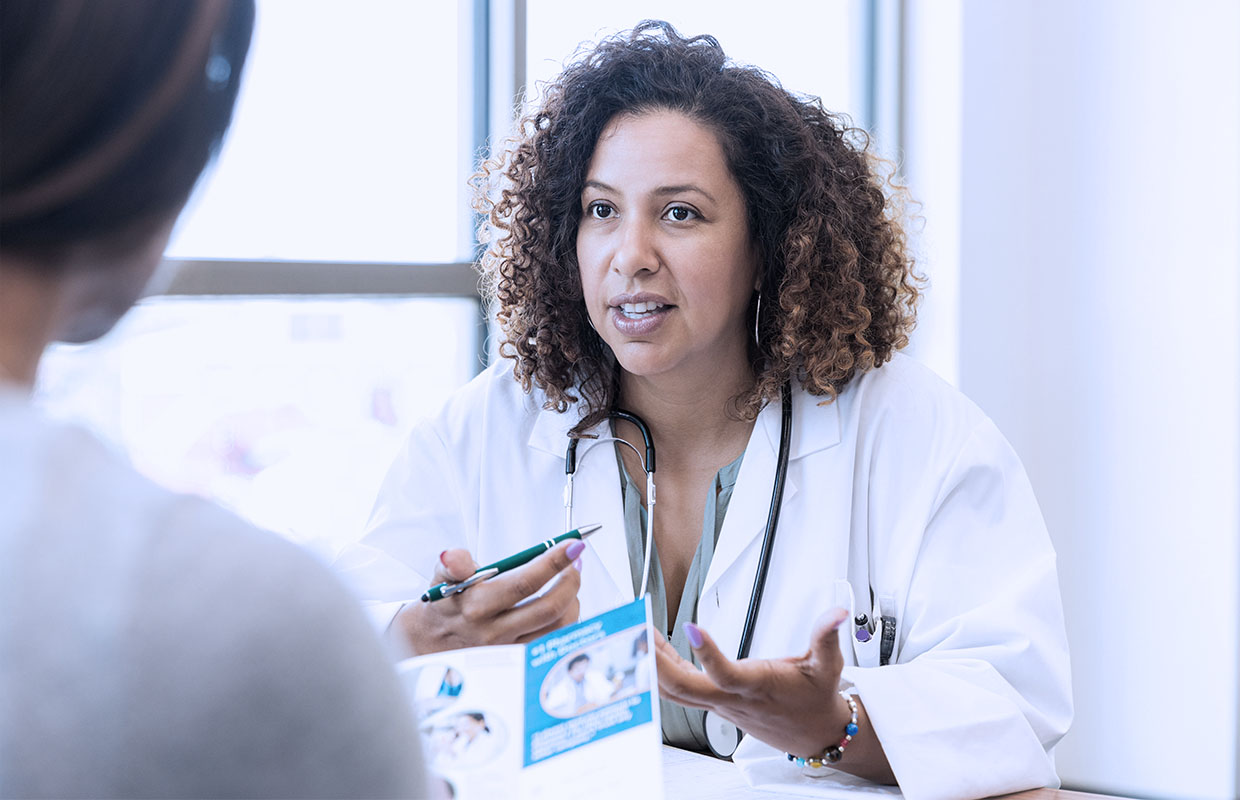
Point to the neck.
(27, 305)
(689, 412)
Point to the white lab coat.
(901, 486)
(562, 698)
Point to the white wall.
(1098, 322)
(931, 162)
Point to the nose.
(636, 250)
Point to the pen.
(442, 590)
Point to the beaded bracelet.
(836, 751)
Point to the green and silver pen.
(442, 590)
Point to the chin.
(641, 360)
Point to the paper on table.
(570, 713)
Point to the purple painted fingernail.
(574, 549)
(693, 634)
(577, 564)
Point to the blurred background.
(1077, 164)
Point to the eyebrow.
(661, 191)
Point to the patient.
(146, 647)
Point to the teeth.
(639, 308)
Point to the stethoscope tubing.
(722, 742)
(772, 520)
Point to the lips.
(639, 314)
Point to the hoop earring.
(757, 315)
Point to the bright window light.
(812, 48)
(346, 141)
(288, 411)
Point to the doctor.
(681, 238)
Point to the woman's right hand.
(497, 611)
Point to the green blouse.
(682, 727)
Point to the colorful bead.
(835, 752)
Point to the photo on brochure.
(530, 721)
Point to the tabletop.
(687, 774)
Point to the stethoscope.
(722, 735)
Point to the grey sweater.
(154, 645)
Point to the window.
(339, 206)
(287, 411)
(319, 298)
(341, 150)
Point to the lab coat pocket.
(865, 648)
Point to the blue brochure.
(588, 681)
(572, 713)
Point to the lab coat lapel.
(747, 511)
(735, 562)
(596, 498)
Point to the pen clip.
(477, 577)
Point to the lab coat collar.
(550, 431)
(597, 495)
(813, 429)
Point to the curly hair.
(828, 227)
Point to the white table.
(689, 775)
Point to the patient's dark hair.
(838, 289)
(111, 112)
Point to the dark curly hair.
(838, 287)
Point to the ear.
(759, 269)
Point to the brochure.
(572, 714)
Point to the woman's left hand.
(790, 703)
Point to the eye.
(681, 214)
(599, 210)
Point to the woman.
(146, 648)
(580, 688)
(679, 237)
(472, 741)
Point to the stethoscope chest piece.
(722, 736)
